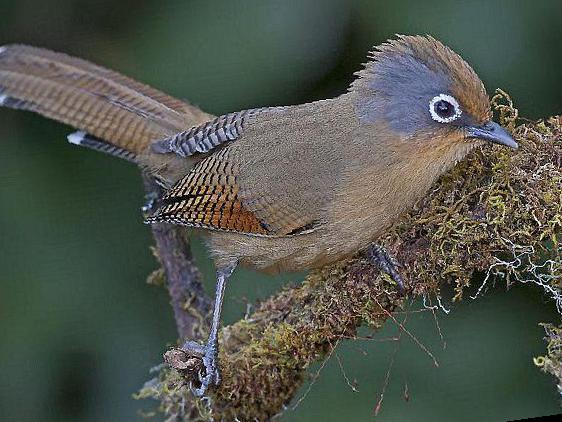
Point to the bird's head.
(427, 94)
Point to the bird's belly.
(267, 254)
(352, 224)
(285, 254)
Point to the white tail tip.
(76, 138)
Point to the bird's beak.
(492, 132)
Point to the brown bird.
(277, 188)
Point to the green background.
(79, 328)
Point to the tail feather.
(106, 105)
(84, 139)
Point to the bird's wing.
(209, 135)
(218, 193)
(275, 176)
(210, 197)
(103, 104)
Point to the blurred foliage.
(80, 329)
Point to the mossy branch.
(498, 212)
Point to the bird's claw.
(380, 257)
(194, 348)
(211, 376)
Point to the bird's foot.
(211, 376)
(379, 256)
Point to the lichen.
(498, 213)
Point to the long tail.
(114, 114)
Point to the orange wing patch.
(208, 197)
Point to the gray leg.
(380, 257)
(211, 349)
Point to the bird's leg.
(381, 258)
(211, 349)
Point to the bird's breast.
(374, 195)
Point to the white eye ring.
(450, 100)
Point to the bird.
(280, 188)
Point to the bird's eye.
(444, 108)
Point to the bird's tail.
(113, 113)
